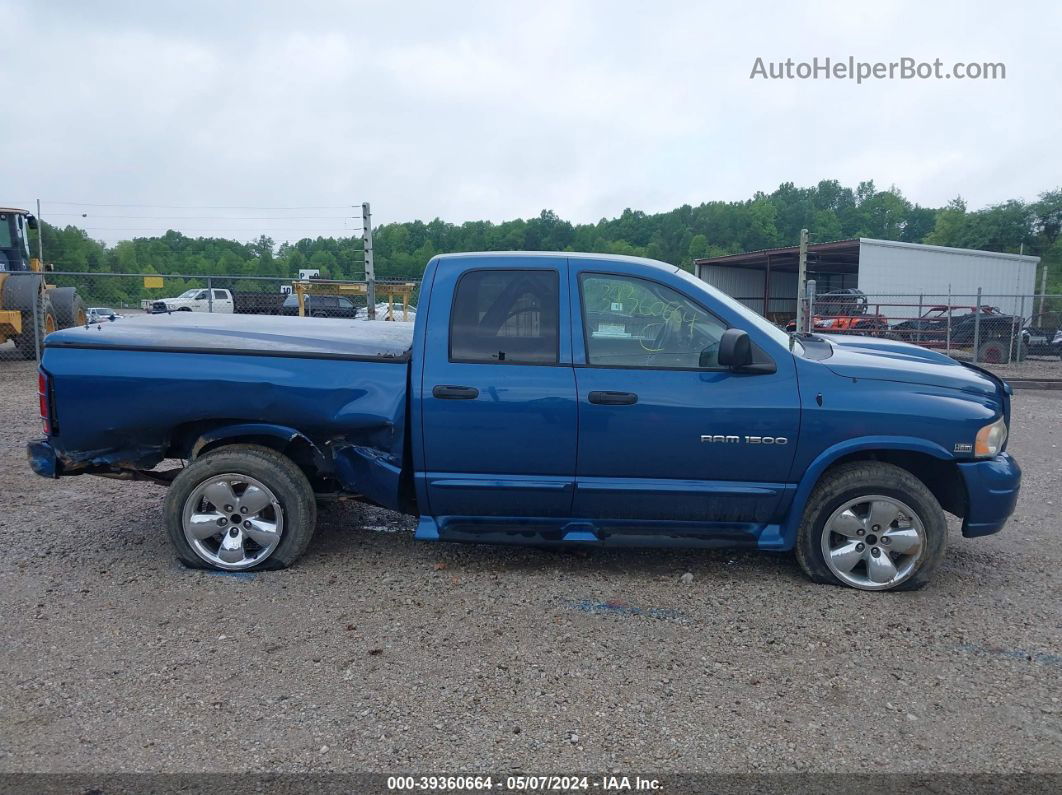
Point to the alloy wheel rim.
(873, 543)
(232, 521)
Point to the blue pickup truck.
(540, 399)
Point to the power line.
(213, 217)
(207, 206)
(213, 229)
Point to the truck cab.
(549, 399)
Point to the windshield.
(757, 320)
(189, 293)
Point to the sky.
(131, 117)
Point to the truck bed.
(196, 332)
(166, 386)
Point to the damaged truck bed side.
(178, 386)
(546, 399)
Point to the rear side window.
(506, 316)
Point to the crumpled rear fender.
(279, 437)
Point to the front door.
(665, 433)
(498, 394)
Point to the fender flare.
(281, 436)
(829, 456)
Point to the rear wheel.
(872, 526)
(70, 309)
(240, 508)
(34, 330)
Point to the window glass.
(633, 322)
(346, 303)
(506, 316)
(219, 295)
(5, 230)
(202, 296)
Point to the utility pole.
(1043, 292)
(40, 235)
(802, 274)
(370, 270)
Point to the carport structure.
(766, 280)
(897, 275)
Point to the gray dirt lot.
(378, 653)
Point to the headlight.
(990, 439)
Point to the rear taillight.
(44, 397)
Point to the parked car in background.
(998, 336)
(1043, 336)
(224, 302)
(97, 314)
(385, 311)
(197, 300)
(320, 306)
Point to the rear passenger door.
(498, 392)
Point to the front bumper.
(992, 488)
(42, 458)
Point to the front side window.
(506, 316)
(631, 322)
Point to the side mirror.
(735, 349)
(31, 221)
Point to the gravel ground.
(376, 653)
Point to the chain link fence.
(34, 304)
(1016, 335)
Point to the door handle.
(447, 392)
(613, 398)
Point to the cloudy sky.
(468, 110)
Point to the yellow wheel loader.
(24, 293)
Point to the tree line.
(829, 210)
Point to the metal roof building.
(766, 280)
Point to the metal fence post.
(369, 261)
(977, 326)
(918, 327)
(36, 324)
(210, 295)
(948, 343)
(810, 317)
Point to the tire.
(318, 314)
(992, 352)
(70, 309)
(288, 509)
(185, 309)
(33, 334)
(833, 499)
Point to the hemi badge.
(963, 447)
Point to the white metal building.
(906, 275)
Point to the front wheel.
(238, 508)
(872, 526)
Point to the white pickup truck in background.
(197, 300)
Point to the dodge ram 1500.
(540, 399)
